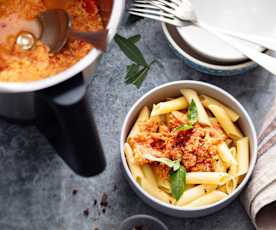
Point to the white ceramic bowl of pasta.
(172, 90)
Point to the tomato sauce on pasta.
(196, 147)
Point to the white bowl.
(248, 16)
(171, 90)
(202, 63)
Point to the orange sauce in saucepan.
(13, 25)
(17, 65)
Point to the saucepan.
(58, 104)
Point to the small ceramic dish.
(142, 222)
(202, 63)
(248, 16)
(171, 90)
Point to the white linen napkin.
(259, 198)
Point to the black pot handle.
(64, 117)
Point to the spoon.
(56, 29)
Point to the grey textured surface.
(36, 186)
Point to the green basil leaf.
(129, 67)
(131, 71)
(134, 39)
(140, 77)
(130, 50)
(132, 74)
(192, 113)
(178, 182)
(174, 165)
(136, 78)
(183, 127)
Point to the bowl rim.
(125, 130)
(245, 64)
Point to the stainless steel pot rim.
(21, 87)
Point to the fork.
(145, 8)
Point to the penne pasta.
(233, 183)
(156, 192)
(215, 178)
(143, 116)
(206, 101)
(169, 106)
(218, 165)
(194, 193)
(207, 199)
(135, 169)
(223, 188)
(225, 154)
(213, 121)
(233, 151)
(233, 171)
(229, 127)
(180, 116)
(149, 174)
(202, 115)
(164, 184)
(243, 155)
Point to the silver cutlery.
(183, 10)
(161, 10)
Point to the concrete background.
(36, 186)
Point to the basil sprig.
(177, 174)
(192, 118)
(138, 70)
(184, 127)
(178, 182)
(192, 113)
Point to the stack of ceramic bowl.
(207, 53)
